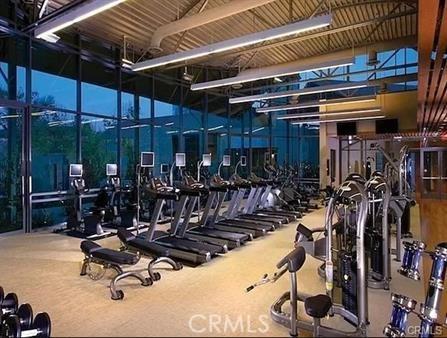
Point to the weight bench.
(111, 259)
(158, 253)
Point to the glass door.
(11, 196)
(434, 172)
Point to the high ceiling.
(356, 22)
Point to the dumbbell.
(40, 327)
(8, 304)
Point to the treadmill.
(207, 234)
(184, 249)
(243, 185)
(260, 203)
(230, 220)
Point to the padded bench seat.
(90, 248)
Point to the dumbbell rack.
(18, 321)
(403, 306)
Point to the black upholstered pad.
(144, 246)
(305, 231)
(294, 260)
(149, 247)
(108, 255)
(318, 306)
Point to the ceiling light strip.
(83, 11)
(272, 73)
(376, 117)
(344, 112)
(299, 92)
(317, 103)
(243, 41)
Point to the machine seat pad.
(305, 231)
(294, 260)
(318, 306)
(96, 251)
(143, 245)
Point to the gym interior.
(223, 168)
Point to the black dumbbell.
(40, 328)
(8, 304)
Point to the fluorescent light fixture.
(9, 116)
(340, 120)
(322, 114)
(172, 132)
(299, 92)
(191, 131)
(135, 126)
(272, 72)
(51, 38)
(81, 12)
(169, 124)
(277, 79)
(92, 121)
(258, 129)
(215, 128)
(318, 103)
(243, 41)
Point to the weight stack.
(349, 282)
(377, 254)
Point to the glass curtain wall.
(83, 111)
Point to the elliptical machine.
(82, 224)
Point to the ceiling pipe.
(203, 18)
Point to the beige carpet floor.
(210, 300)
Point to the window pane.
(99, 147)
(53, 149)
(145, 108)
(128, 106)
(10, 179)
(99, 100)
(54, 91)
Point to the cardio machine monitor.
(164, 168)
(226, 161)
(111, 169)
(180, 160)
(147, 160)
(243, 161)
(206, 159)
(75, 170)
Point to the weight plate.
(2, 295)
(25, 314)
(11, 327)
(42, 323)
(10, 303)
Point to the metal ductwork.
(232, 8)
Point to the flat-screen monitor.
(180, 160)
(346, 128)
(387, 126)
(111, 169)
(76, 170)
(243, 161)
(206, 159)
(226, 161)
(147, 160)
(164, 168)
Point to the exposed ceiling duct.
(239, 42)
(203, 18)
